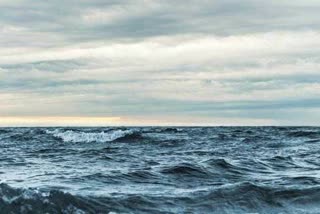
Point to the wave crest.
(87, 137)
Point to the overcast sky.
(190, 62)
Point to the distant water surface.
(160, 170)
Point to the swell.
(306, 134)
(211, 171)
(248, 197)
(186, 169)
(140, 176)
(236, 198)
(208, 169)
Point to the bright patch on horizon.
(57, 121)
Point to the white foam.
(77, 137)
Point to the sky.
(159, 62)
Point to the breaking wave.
(87, 137)
(33, 201)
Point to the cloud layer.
(183, 62)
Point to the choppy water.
(160, 170)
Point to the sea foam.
(87, 137)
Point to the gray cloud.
(184, 60)
(143, 18)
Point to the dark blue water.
(160, 170)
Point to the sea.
(78, 170)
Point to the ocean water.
(160, 170)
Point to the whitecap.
(87, 137)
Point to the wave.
(171, 130)
(306, 134)
(249, 197)
(139, 176)
(4, 131)
(88, 137)
(186, 169)
(244, 197)
(34, 201)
